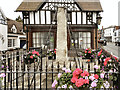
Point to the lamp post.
(98, 23)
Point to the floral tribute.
(79, 79)
(89, 54)
(31, 57)
(51, 54)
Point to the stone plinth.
(61, 51)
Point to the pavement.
(111, 48)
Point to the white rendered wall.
(3, 31)
(84, 17)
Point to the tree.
(19, 19)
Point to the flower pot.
(88, 56)
(29, 61)
(50, 58)
(54, 56)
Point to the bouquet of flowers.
(81, 79)
(31, 57)
(89, 54)
(51, 53)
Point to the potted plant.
(54, 53)
(50, 54)
(31, 57)
(89, 54)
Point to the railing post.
(118, 77)
(0, 68)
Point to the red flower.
(99, 53)
(105, 63)
(77, 72)
(85, 51)
(31, 57)
(82, 74)
(96, 76)
(73, 80)
(79, 82)
(107, 59)
(86, 73)
(38, 54)
(34, 52)
(86, 81)
(55, 52)
(115, 57)
(89, 52)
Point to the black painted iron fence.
(40, 74)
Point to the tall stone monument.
(61, 51)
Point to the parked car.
(103, 41)
(117, 42)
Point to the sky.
(110, 8)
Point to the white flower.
(102, 75)
(110, 71)
(95, 81)
(63, 68)
(64, 86)
(106, 84)
(101, 87)
(71, 87)
(58, 87)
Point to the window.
(9, 42)
(115, 34)
(69, 16)
(13, 42)
(53, 17)
(89, 17)
(40, 38)
(82, 39)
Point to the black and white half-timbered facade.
(40, 19)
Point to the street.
(111, 48)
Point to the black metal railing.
(40, 74)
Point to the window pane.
(9, 42)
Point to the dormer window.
(13, 29)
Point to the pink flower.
(79, 82)
(93, 84)
(85, 51)
(102, 75)
(92, 78)
(59, 75)
(2, 66)
(96, 76)
(54, 83)
(31, 57)
(2, 75)
(96, 66)
(67, 71)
